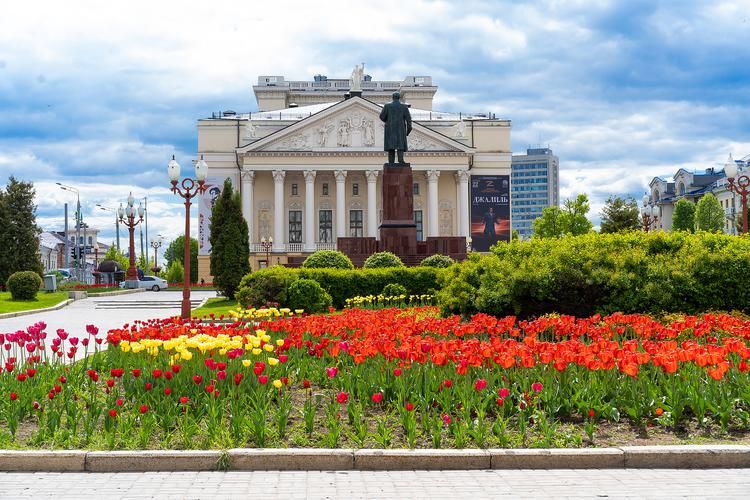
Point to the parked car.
(150, 282)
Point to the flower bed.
(375, 378)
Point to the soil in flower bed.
(379, 379)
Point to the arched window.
(681, 188)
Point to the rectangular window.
(355, 224)
(295, 226)
(355, 189)
(416, 189)
(325, 189)
(295, 190)
(325, 226)
(418, 222)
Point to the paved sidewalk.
(433, 485)
(80, 313)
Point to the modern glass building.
(535, 184)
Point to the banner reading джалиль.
(490, 210)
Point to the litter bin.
(50, 282)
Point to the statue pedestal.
(398, 233)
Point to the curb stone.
(156, 460)
(558, 458)
(35, 311)
(687, 456)
(291, 459)
(466, 459)
(43, 460)
(248, 459)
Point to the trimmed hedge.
(24, 285)
(328, 259)
(603, 273)
(271, 285)
(382, 260)
(394, 290)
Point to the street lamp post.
(468, 244)
(266, 245)
(190, 188)
(128, 217)
(79, 220)
(738, 185)
(155, 244)
(649, 212)
(117, 221)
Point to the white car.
(150, 282)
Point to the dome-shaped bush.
(394, 290)
(24, 285)
(383, 259)
(437, 260)
(308, 295)
(328, 259)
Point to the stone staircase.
(144, 304)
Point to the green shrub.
(308, 295)
(24, 285)
(265, 286)
(603, 273)
(270, 285)
(394, 290)
(175, 272)
(437, 260)
(381, 260)
(328, 259)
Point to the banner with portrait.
(490, 211)
(206, 202)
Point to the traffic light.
(73, 253)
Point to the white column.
(462, 199)
(372, 203)
(340, 203)
(248, 184)
(432, 202)
(309, 220)
(278, 210)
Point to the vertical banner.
(206, 202)
(490, 210)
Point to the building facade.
(309, 174)
(693, 186)
(535, 186)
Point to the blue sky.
(98, 95)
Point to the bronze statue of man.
(397, 121)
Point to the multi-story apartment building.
(535, 185)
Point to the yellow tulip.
(268, 347)
(246, 363)
(280, 342)
(256, 351)
(277, 383)
(273, 361)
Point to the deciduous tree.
(709, 216)
(684, 216)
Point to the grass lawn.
(43, 299)
(217, 305)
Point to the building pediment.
(350, 126)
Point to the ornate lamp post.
(266, 246)
(468, 244)
(650, 209)
(155, 244)
(79, 222)
(738, 185)
(190, 188)
(128, 217)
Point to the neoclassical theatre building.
(309, 165)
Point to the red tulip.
(283, 358)
(113, 413)
(167, 391)
(306, 384)
(148, 386)
(342, 397)
(409, 406)
(110, 382)
(377, 398)
(592, 413)
(448, 383)
(500, 401)
(209, 388)
(480, 384)
(397, 372)
(13, 396)
(136, 372)
(332, 371)
(156, 373)
(259, 367)
(263, 379)
(221, 375)
(184, 400)
(237, 378)
(536, 387)
(143, 409)
(197, 379)
(503, 392)
(119, 402)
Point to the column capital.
(372, 175)
(462, 176)
(340, 175)
(432, 175)
(278, 175)
(248, 175)
(309, 175)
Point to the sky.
(99, 95)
